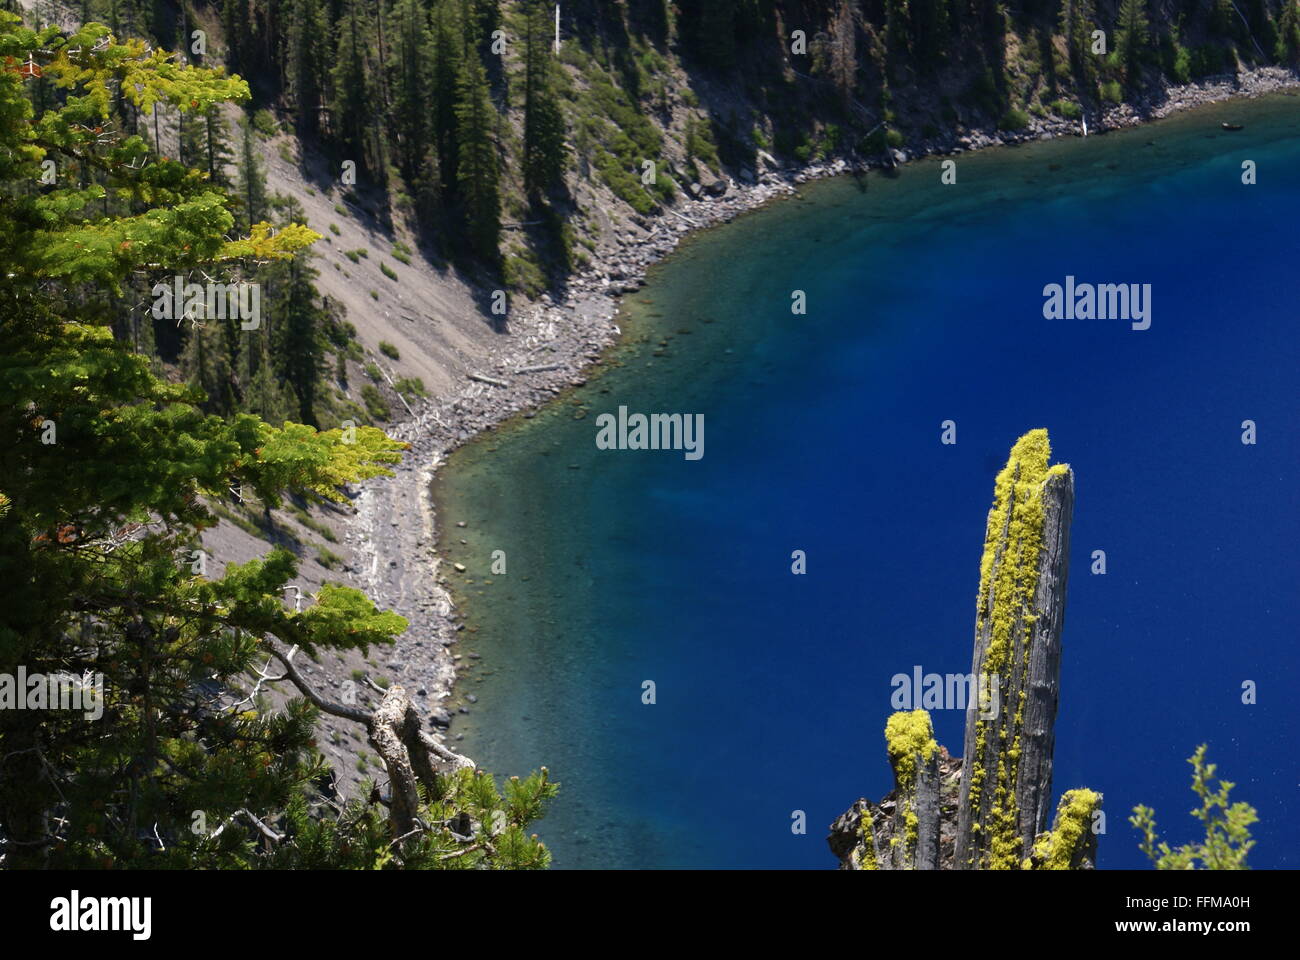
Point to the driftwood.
(381, 369)
(544, 368)
(480, 378)
(990, 809)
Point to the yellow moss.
(907, 735)
(1013, 544)
(912, 832)
(1056, 849)
(867, 857)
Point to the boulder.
(718, 188)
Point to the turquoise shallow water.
(822, 434)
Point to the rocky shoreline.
(1174, 99)
(394, 532)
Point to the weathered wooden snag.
(989, 810)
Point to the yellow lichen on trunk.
(1058, 849)
(909, 737)
(1013, 544)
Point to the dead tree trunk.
(989, 810)
(916, 809)
(410, 755)
(912, 828)
(1006, 785)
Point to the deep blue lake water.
(925, 304)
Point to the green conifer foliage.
(1288, 33)
(1077, 24)
(251, 182)
(307, 61)
(413, 77)
(106, 477)
(1132, 37)
(477, 169)
(352, 104)
(447, 57)
(544, 150)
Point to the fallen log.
(492, 381)
(542, 369)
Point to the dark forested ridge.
(455, 123)
(460, 110)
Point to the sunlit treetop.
(186, 221)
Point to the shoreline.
(396, 532)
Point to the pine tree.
(235, 21)
(477, 167)
(204, 144)
(307, 62)
(544, 150)
(207, 362)
(107, 473)
(272, 54)
(295, 325)
(1132, 37)
(708, 28)
(1223, 20)
(351, 106)
(263, 394)
(447, 59)
(184, 122)
(898, 34)
(251, 179)
(216, 142)
(931, 27)
(478, 19)
(414, 69)
(1288, 33)
(1077, 19)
